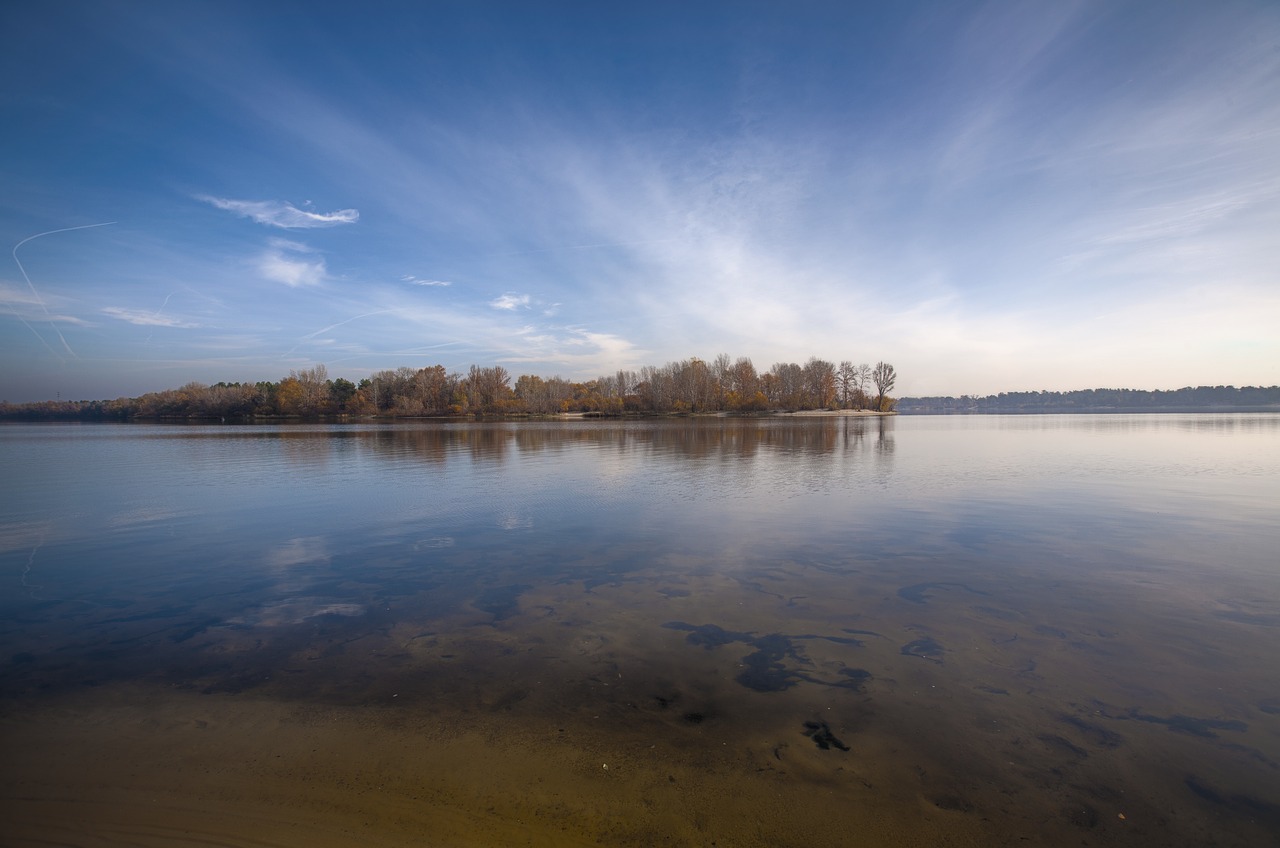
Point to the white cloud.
(289, 244)
(420, 281)
(66, 319)
(510, 302)
(146, 319)
(292, 270)
(584, 351)
(278, 213)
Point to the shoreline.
(834, 413)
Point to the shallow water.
(1037, 630)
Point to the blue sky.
(990, 196)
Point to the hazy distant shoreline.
(1100, 401)
(1098, 410)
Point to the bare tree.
(489, 387)
(659, 386)
(884, 377)
(314, 384)
(434, 388)
(788, 385)
(543, 396)
(861, 379)
(386, 386)
(721, 370)
(845, 381)
(695, 388)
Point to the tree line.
(688, 386)
(1188, 399)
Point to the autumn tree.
(361, 401)
(691, 385)
(543, 397)
(613, 393)
(386, 386)
(820, 383)
(289, 396)
(742, 387)
(788, 386)
(489, 388)
(313, 383)
(695, 390)
(434, 389)
(656, 388)
(236, 400)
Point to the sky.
(992, 197)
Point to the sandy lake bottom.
(666, 710)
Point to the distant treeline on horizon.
(689, 386)
(1197, 399)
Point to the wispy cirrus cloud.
(27, 306)
(292, 264)
(11, 297)
(511, 302)
(144, 318)
(52, 317)
(279, 213)
(421, 281)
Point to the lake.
(987, 630)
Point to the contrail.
(39, 299)
(163, 305)
(331, 326)
(156, 314)
(348, 321)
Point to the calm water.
(1039, 630)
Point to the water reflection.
(697, 439)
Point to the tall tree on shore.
(861, 379)
(845, 376)
(884, 377)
